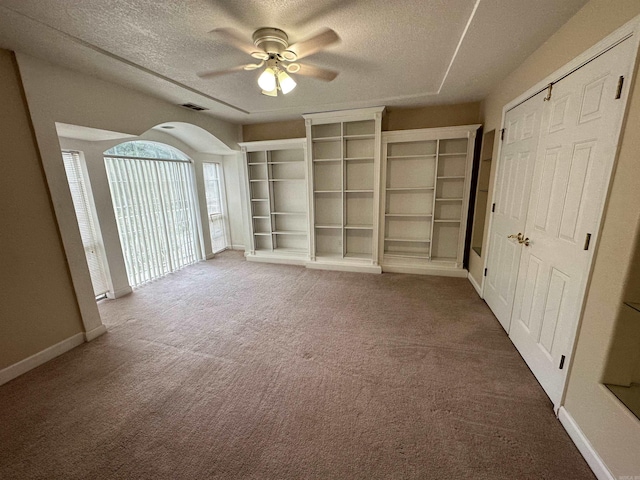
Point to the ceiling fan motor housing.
(271, 40)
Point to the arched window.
(147, 150)
(153, 191)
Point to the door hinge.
(493, 208)
(619, 90)
(587, 241)
(561, 362)
(502, 133)
(485, 272)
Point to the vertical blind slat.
(158, 215)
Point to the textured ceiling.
(400, 53)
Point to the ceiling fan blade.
(314, 44)
(217, 73)
(323, 74)
(236, 39)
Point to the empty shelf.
(449, 199)
(407, 240)
(290, 232)
(288, 213)
(407, 189)
(406, 255)
(404, 157)
(445, 220)
(363, 256)
(363, 136)
(329, 225)
(409, 215)
(358, 227)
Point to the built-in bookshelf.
(426, 179)
(276, 176)
(344, 148)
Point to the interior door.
(513, 185)
(575, 157)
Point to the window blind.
(155, 208)
(217, 220)
(82, 205)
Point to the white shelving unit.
(344, 172)
(276, 176)
(423, 216)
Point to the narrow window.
(87, 223)
(215, 208)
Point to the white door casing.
(512, 187)
(576, 152)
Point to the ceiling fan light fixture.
(271, 93)
(267, 80)
(286, 82)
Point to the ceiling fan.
(271, 47)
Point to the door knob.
(521, 239)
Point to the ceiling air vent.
(193, 106)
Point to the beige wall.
(38, 307)
(431, 117)
(611, 429)
(393, 119)
(273, 130)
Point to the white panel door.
(575, 157)
(513, 185)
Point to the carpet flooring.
(236, 370)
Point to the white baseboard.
(418, 270)
(594, 461)
(23, 366)
(120, 293)
(237, 247)
(344, 267)
(95, 333)
(275, 259)
(209, 256)
(475, 284)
